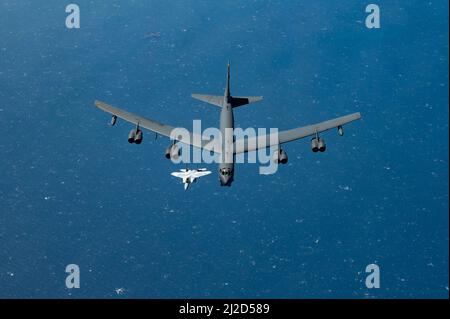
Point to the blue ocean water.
(73, 191)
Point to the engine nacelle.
(280, 157)
(321, 145)
(139, 136)
(113, 120)
(341, 130)
(173, 152)
(135, 136)
(314, 145)
(131, 136)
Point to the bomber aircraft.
(228, 147)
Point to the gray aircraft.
(228, 147)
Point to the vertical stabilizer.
(227, 88)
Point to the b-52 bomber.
(227, 103)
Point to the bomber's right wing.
(260, 142)
(162, 129)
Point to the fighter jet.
(190, 176)
(228, 147)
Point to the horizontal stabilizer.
(211, 99)
(234, 100)
(243, 100)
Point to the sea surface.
(73, 191)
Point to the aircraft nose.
(224, 179)
(225, 176)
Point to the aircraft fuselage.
(226, 166)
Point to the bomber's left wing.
(259, 142)
(154, 126)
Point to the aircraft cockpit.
(226, 171)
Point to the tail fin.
(236, 101)
(227, 88)
(227, 98)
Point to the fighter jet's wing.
(162, 129)
(201, 173)
(180, 174)
(255, 143)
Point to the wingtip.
(98, 103)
